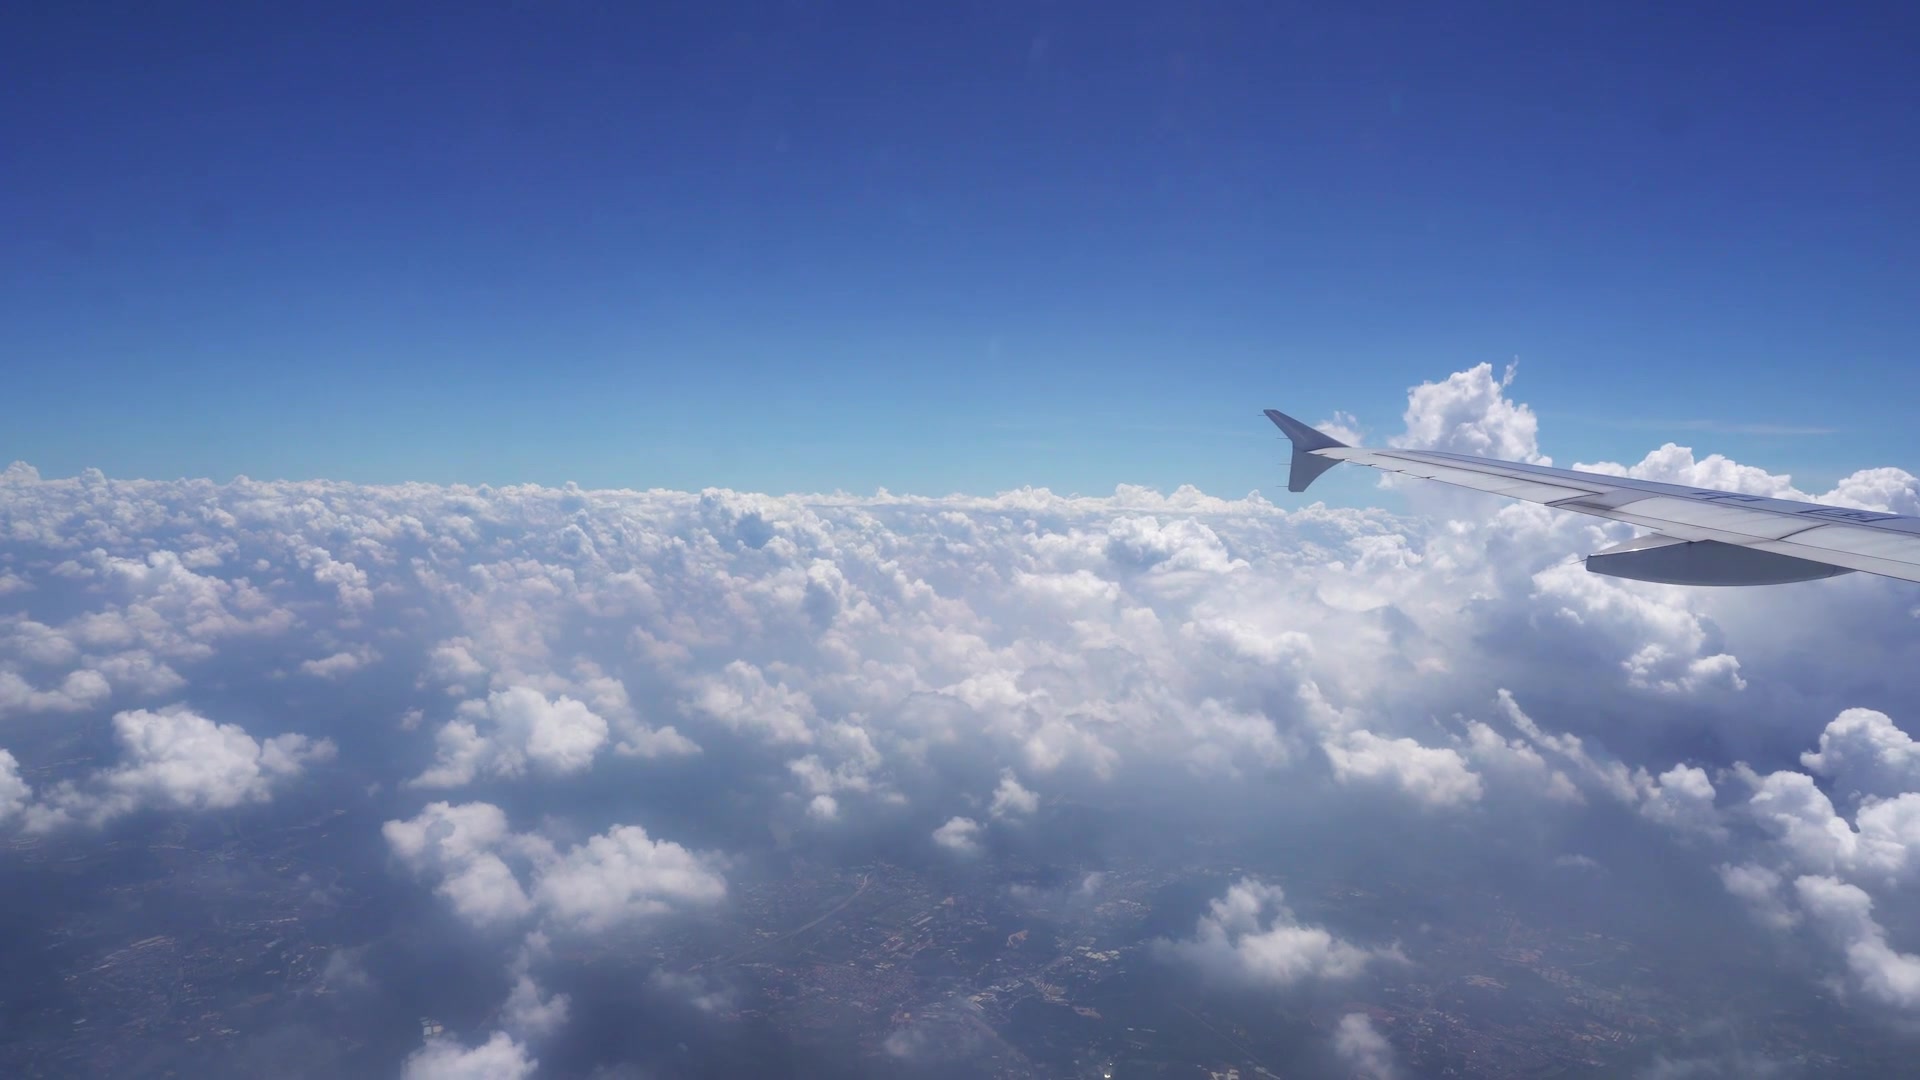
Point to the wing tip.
(1307, 466)
(1302, 436)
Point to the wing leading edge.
(1706, 537)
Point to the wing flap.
(1906, 571)
(1720, 517)
(1877, 543)
(1534, 491)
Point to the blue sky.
(839, 246)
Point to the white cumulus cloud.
(1862, 751)
(622, 875)
(492, 876)
(1010, 800)
(512, 730)
(1249, 936)
(1438, 776)
(960, 835)
(174, 758)
(1362, 1048)
(15, 792)
(442, 1058)
(1846, 913)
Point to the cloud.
(1071, 639)
(1682, 796)
(1362, 1048)
(77, 691)
(624, 875)
(817, 674)
(1613, 777)
(1675, 464)
(441, 1058)
(1343, 426)
(1761, 889)
(1731, 1065)
(454, 662)
(702, 992)
(461, 846)
(1862, 751)
(959, 835)
(493, 877)
(511, 731)
(1845, 912)
(345, 971)
(855, 760)
(1469, 413)
(532, 1013)
(1514, 760)
(1437, 776)
(1672, 650)
(176, 759)
(136, 672)
(15, 792)
(641, 741)
(1010, 800)
(1817, 862)
(340, 664)
(164, 606)
(1248, 936)
(35, 642)
(741, 698)
(1228, 741)
(1181, 546)
(1881, 843)
(1887, 490)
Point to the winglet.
(1307, 466)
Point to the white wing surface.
(1705, 537)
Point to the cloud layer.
(587, 711)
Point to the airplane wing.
(1703, 536)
